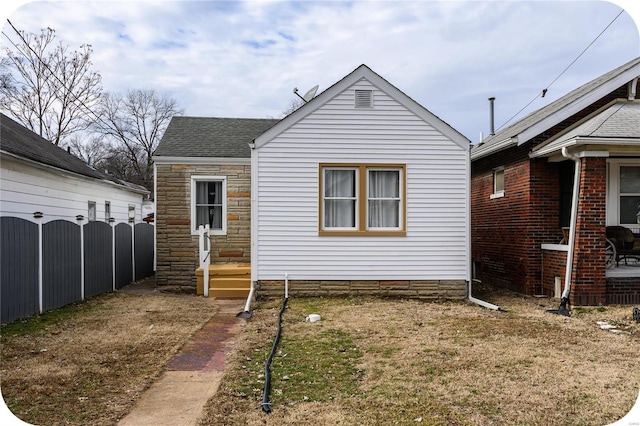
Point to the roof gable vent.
(364, 98)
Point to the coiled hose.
(266, 405)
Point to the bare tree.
(294, 104)
(48, 88)
(94, 150)
(136, 122)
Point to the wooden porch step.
(230, 269)
(236, 293)
(226, 280)
(229, 282)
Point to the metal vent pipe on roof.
(491, 125)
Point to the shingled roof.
(546, 117)
(211, 137)
(19, 141)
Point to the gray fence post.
(133, 248)
(112, 222)
(38, 217)
(80, 218)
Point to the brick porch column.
(588, 277)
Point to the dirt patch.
(88, 363)
(372, 361)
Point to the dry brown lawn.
(88, 363)
(369, 361)
(372, 361)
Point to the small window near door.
(107, 211)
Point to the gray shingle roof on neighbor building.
(620, 120)
(540, 114)
(17, 140)
(211, 137)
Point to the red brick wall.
(588, 278)
(507, 233)
(553, 265)
(623, 291)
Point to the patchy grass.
(372, 361)
(87, 363)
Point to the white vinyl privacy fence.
(44, 266)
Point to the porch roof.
(614, 128)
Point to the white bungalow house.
(37, 176)
(361, 190)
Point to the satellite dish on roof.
(307, 96)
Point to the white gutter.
(572, 227)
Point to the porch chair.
(627, 246)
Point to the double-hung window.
(208, 203)
(362, 199)
(629, 194)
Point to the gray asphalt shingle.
(18, 140)
(211, 137)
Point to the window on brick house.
(498, 183)
(623, 193)
(629, 195)
(209, 203)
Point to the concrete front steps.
(232, 280)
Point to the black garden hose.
(266, 405)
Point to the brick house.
(522, 195)
(203, 175)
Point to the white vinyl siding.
(26, 189)
(286, 185)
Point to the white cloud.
(244, 58)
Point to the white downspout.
(254, 228)
(468, 236)
(572, 228)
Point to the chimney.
(491, 127)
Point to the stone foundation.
(418, 289)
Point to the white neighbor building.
(37, 176)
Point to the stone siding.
(177, 249)
(419, 289)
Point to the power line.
(544, 91)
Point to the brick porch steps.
(231, 280)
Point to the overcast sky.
(243, 59)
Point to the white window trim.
(192, 203)
(497, 194)
(357, 204)
(399, 199)
(613, 190)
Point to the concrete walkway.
(193, 375)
